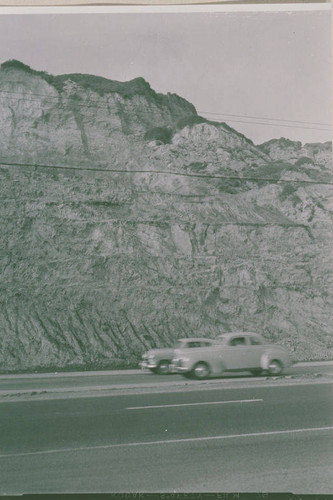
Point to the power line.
(264, 118)
(96, 106)
(162, 172)
(279, 125)
(199, 111)
(93, 286)
(35, 94)
(76, 103)
(183, 222)
(80, 105)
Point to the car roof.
(195, 339)
(239, 334)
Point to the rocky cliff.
(129, 221)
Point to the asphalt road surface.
(259, 439)
(82, 380)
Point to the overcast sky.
(265, 65)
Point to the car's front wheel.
(163, 367)
(275, 367)
(201, 371)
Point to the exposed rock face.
(79, 117)
(293, 152)
(185, 228)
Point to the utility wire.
(184, 222)
(61, 97)
(162, 172)
(76, 104)
(279, 125)
(205, 112)
(180, 115)
(96, 106)
(264, 118)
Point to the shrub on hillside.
(287, 191)
(190, 121)
(303, 160)
(162, 134)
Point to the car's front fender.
(266, 357)
(271, 354)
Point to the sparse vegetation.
(103, 86)
(15, 64)
(303, 161)
(287, 191)
(162, 134)
(196, 166)
(283, 143)
(190, 121)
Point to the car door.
(236, 352)
(254, 353)
(195, 352)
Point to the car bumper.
(147, 365)
(180, 369)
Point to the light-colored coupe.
(238, 351)
(160, 360)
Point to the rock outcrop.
(170, 226)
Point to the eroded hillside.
(166, 225)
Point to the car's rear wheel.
(201, 371)
(275, 367)
(163, 367)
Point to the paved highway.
(11, 384)
(216, 439)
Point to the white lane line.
(195, 404)
(168, 441)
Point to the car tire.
(256, 372)
(275, 367)
(201, 370)
(163, 367)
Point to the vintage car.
(237, 351)
(160, 360)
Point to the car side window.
(238, 341)
(255, 341)
(193, 344)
